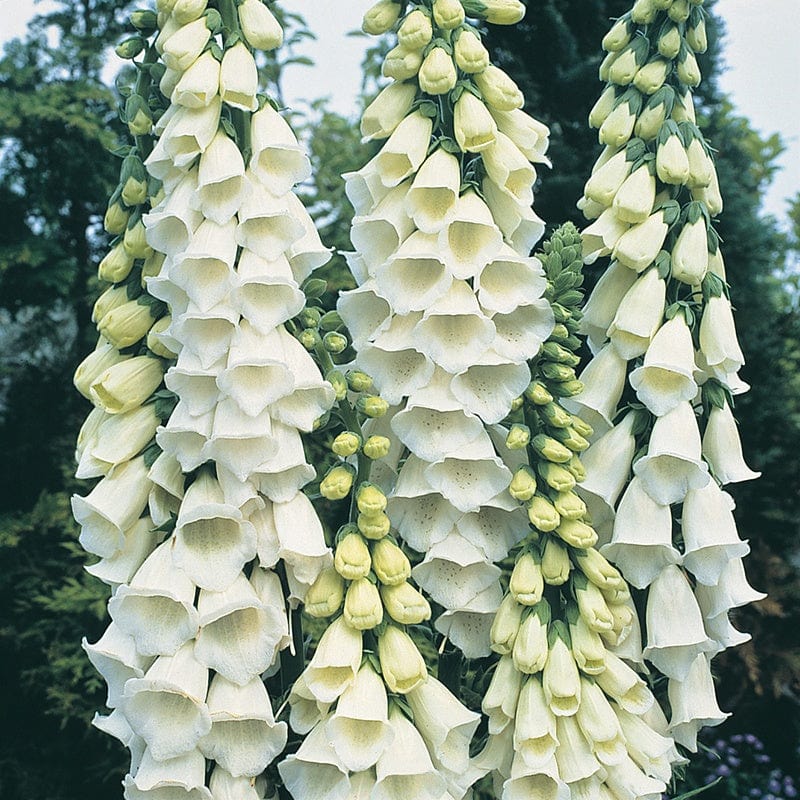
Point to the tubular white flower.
(508, 282)
(722, 447)
(199, 84)
(189, 132)
(561, 680)
(335, 663)
(220, 179)
(238, 78)
(157, 609)
(599, 723)
(172, 223)
(535, 739)
(405, 150)
(574, 753)
(639, 315)
(621, 683)
(377, 235)
(470, 236)
(266, 223)
(502, 698)
(434, 191)
(718, 341)
(167, 706)
(666, 377)
(140, 541)
(521, 226)
(731, 591)
(601, 308)
(158, 779)
(673, 463)
(314, 772)
(509, 169)
(387, 110)
(277, 159)
(244, 736)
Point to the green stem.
(144, 82)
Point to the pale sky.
(761, 53)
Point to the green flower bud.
(133, 178)
(331, 321)
(679, 11)
(334, 342)
(557, 477)
(405, 604)
(569, 505)
(390, 563)
(581, 427)
(506, 624)
(138, 115)
(131, 47)
(553, 351)
(374, 526)
(518, 437)
(314, 288)
(551, 449)
(346, 444)
(154, 344)
(644, 12)
(116, 265)
(555, 416)
(577, 533)
(359, 381)
(372, 406)
(527, 583)
(116, 218)
(556, 565)
(437, 75)
(517, 403)
(377, 447)
(542, 514)
(571, 439)
(309, 317)
(416, 31)
(537, 393)
(324, 597)
(363, 609)
(567, 388)
(352, 560)
(370, 499)
(334, 378)
(337, 483)
(523, 484)
(144, 20)
(560, 373)
(381, 17)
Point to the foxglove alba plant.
(215, 460)
(659, 390)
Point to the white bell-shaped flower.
(267, 225)
(183, 776)
(731, 591)
(649, 749)
(528, 134)
(171, 225)
(521, 226)
(666, 378)
(364, 188)
(377, 235)
(115, 657)
(675, 631)
(189, 132)
(597, 720)
(415, 276)
(405, 150)
(199, 84)
(238, 78)
(359, 728)
(307, 252)
(421, 516)
(502, 698)
(224, 786)
(622, 684)
(574, 753)
(194, 384)
(387, 110)
(627, 781)
(157, 609)
(722, 447)
(220, 180)
(690, 253)
(453, 331)
(607, 178)
(207, 334)
(112, 507)
(469, 626)
(523, 782)
(140, 541)
(608, 466)
(434, 192)
(641, 545)
(639, 315)
(561, 680)
(117, 726)
(166, 475)
(694, 703)
(167, 706)
(471, 237)
(603, 304)
(535, 738)
(335, 662)
(185, 436)
(244, 737)
(507, 167)
(285, 474)
(709, 533)
(238, 634)
(718, 341)
(315, 772)
(634, 199)
(523, 331)
(268, 589)
(638, 246)
(722, 631)
(365, 312)
(122, 436)
(603, 381)
(490, 386)
(601, 237)
(240, 494)
(508, 281)
(405, 769)
(212, 541)
(277, 160)
(673, 465)
(267, 293)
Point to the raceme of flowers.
(199, 615)
(659, 390)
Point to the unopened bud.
(405, 604)
(359, 381)
(377, 447)
(381, 17)
(527, 583)
(374, 526)
(577, 533)
(352, 560)
(518, 437)
(363, 609)
(523, 484)
(556, 476)
(390, 563)
(116, 265)
(537, 393)
(372, 406)
(346, 444)
(324, 597)
(542, 514)
(334, 378)
(334, 342)
(337, 483)
(448, 14)
(370, 499)
(569, 505)
(144, 20)
(556, 565)
(506, 624)
(130, 48)
(416, 31)
(154, 341)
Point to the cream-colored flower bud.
(437, 75)
(126, 324)
(470, 54)
(619, 36)
(352, 560)
(152, 266)
(587, 647)
(402, 63)
(387, 110)
(542, 514)
(603, 107)
(416, 30)
(475, 128)
(506, 625)
(690, 253)
(530, 651)
(346, 444)
(523, 484)
(374, 526)
(325, 596)
(527, 583)
(638, 247)
(688, 70)
(402, 664)
(644, 12)
(569, 505)
(377, 447)
(186, 11)
(116, 218)
(405, 604)
(448, 14)
(499, 90)
(710, 195)
(154, 340)
(381, 17)
(503, 12)
(112, 298)
(183, 48)
(561, 680)
(238, 78)
(94, 365)
(672, 162)
(116, 265)
(618, 126)
(557, 477)
(679, 10)
(135, 242)
(696, 36)
(650, 78)
(593, 606)
(259, 26)
(624, 67)
(701, 167)
(556, 565)
(634, 200)
(363, 609)
(337, 483)
(577, 533)
(127, 385)
(604, 184)
(669, 41)
(649, 122)
(390, 563)
(370, 499)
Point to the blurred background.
(58, 124)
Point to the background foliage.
(57, 124)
